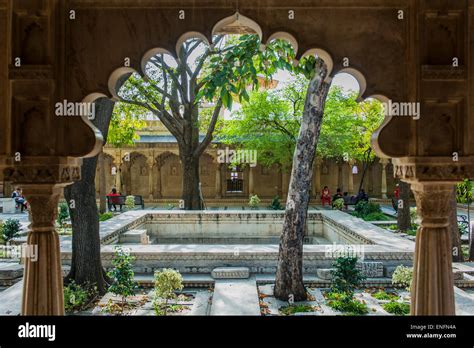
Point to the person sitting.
(20, 200)
(325, 196)
(337, 196)
(362, 196)
(113, 201)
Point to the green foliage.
(464, 191)
(364, 208)
(403, 276)
(166, 283)
(338, 204)
(106, 216)
(63, 213)
(413, 215)
(346, 303)
(10, 229)
(297, 308)
(126, 121)
(276, 205)
(346, 277)
(382, 295)
(122, 275)
(269, 122)
(254, 201)
(378, 216)
(397, 308)
(130, 202)
(76, 297)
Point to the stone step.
(230, 273)
(10, 273)
(135, 237)
(235, 297)
(10, 300)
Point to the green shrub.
(338, 204)
(130, 202)
(254, 201)
(276, 205)
(346, 277)
(346, 303)
(63, 213)
(464, 191)
(166, 283)
(376, 217)
(10, 229)
(300, 308)
(122, 275)
(382, 295)
(364, 208)
(403, 276)
(397, 308)
(106, 216)
(76, 297)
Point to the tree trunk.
(453, 225)
(289, 277)
(403, 216)
(86, 266)
(102, 183)
(191, 195)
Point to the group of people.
(327, 199)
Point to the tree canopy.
(269, 123)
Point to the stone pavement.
(235, 297)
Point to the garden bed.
(377, 301)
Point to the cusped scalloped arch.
(115, 78)
(322, 54)
(237, 23)
(189, 35)
(283, 35)
(360, 78)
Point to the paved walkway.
(235, 297)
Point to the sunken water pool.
(199, 241)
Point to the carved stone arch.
(237, 24)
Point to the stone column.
(350, 179)
(150, 180)
(158, 176)
(284, 183)
(251, 181)
(218, 181)
(432, 290)
(384, 162)
(317, 178)
(43, 281)
(118, 179)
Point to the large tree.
(86, 266)
(289, 276)
(174, 91)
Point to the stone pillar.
(432, 290)
(43, 281)
(350, 178)
(118, 179)
(158, 177)
(218, 180)
(150, 180)
(383, 163)
(317, 178)
(251, 181)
